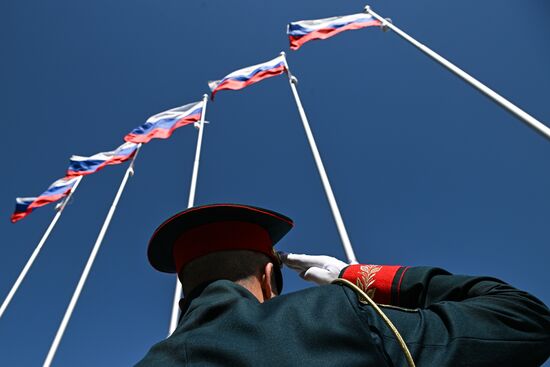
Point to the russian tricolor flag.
(81, 166)
(250, 75)
(56, 191)
(306, 30)
(163, 124)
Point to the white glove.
(318, 269)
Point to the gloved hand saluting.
(319, 269)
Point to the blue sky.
(426, 170)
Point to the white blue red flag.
(56, 191)
(250, 75)
(306, 30)
(163, 124)
(80, 165)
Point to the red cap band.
(221, 236)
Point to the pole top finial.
(367, 8)
(282, 53)
(205, 95)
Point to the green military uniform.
(446, 320)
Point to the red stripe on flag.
(15, 217)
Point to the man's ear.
(267, 290)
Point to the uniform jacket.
(446, 320)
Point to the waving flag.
(56, 191)
(85, 165)
(306, 30)
(163, 124)
(250, 75)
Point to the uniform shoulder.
(329, 295)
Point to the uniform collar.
(212, 292)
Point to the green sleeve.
(455, 320)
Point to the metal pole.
(193, 187)
(179, 292)
(88, 267)
(497, 98)
(348, 249)
(36, 251)
(175, 307)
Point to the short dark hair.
(231, 265)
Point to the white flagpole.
(179, 293)
(36, 251)
(497, 98)
(348, 249)
(200, 127)
(88, 267)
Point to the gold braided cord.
(388, 322)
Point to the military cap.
(202, 230)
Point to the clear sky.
(426, 170)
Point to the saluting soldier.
(233, 313)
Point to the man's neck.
(253, 286)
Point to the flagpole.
(200, 127)
(87, 268)
(346, 243)
(497, 98)
(179, 292)
(36, 251)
